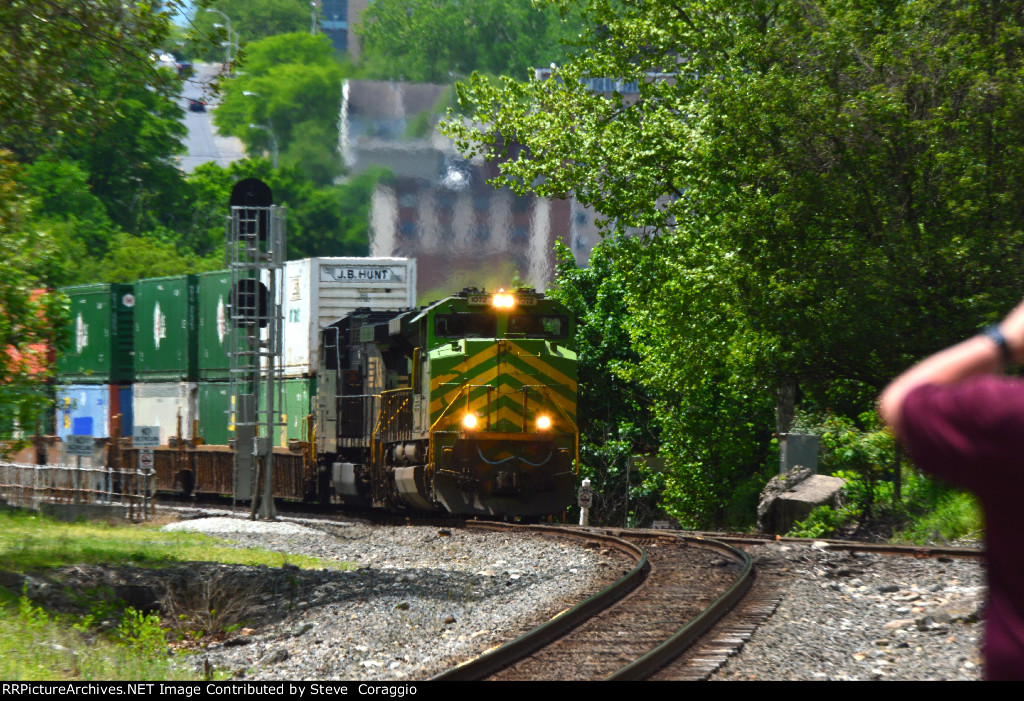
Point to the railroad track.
(678, 589)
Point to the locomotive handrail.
(397, 410)
(433, 429)
(379, 429)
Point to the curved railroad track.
(678, 589)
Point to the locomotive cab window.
(465, 326)
(539, 326)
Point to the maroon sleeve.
(966, 433)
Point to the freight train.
(467, 405)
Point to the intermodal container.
(171, 406)
(298, 394)
(165, 329)
(213, 325)
(89, 410)
(216, 413)
(319, 291)
(100, 334)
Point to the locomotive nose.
(503, 474)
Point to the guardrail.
(31, 486)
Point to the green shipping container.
(216, 413)
(299, 393)
(100, 335)
(217, 417)
(165, 329)
(213, 328)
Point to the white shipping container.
(319, 291)
(162, 403)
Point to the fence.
(30, 486)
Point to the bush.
(864, 455)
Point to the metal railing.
(30, 486)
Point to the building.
(438, 207)
(338, 19)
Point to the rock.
(275, 657)
(791, 497)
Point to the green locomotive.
(467, 405)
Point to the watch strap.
(993, 333)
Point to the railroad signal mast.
(255, 256)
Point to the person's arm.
(979, 355)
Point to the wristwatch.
(996, 336)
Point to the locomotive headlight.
(469, 421)
(501, 300)
(543, 423)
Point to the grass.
(957, 515)
(928, 512)
(35, 646)
(39, 645)
(30, 542)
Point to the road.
(203, 142)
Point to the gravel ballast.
(860, 616)
(423, 599)
(420, 600)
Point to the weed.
(142, 633)
(217, 604)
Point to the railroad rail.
(636, 626)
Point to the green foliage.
(294, 85)
(433, 41)
(35, 646)
(129, 163)
(928, 512)
(953, 516)
(808, 188)
(54, 82)
(132, 258)
(823, 522)
(322, 220)
(251, 20)
(143, 634)
(26, 318)
(613, 413)
(867, 455)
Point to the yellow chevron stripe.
(544, 366)
(513, 413)
(502, 389)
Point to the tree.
(130, 160)
(291, 88)
(614, 413)
(251, 20)
(48, 52)
(821, 191)
(321, 221)
(27, 320)
(433, 40)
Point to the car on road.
(195, 105)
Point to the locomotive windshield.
(465, 326)
(538, 326)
